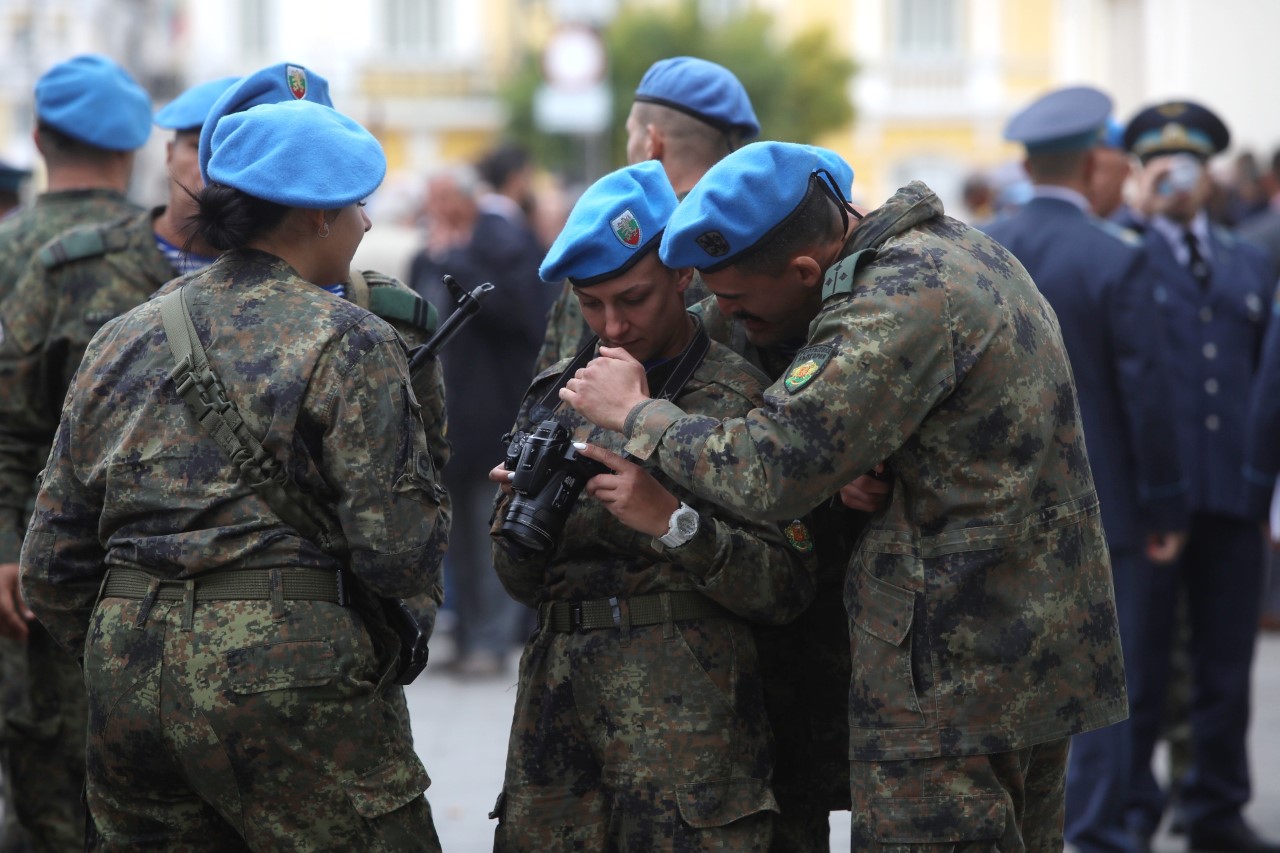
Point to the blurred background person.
(1109, 176)
(486, 366)
(1214, 308)
(91, 119)
(12, 180)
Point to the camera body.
(549, 476)
(1182, 177)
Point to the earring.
(324, 230)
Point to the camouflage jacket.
(748, 567)
(133, 480)
(21, 235)
(980, 599)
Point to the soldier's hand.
(868, 493)
(631, 495)
(1164, 547)
(608, 388)
(14, 613)
(500, 475)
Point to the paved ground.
(461, 733)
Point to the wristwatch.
(681, 528)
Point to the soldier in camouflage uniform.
(639, 721)
(687, 114)
(982, 625)
(235, 702)
(91, 117)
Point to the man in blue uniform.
(1212, 303)
(1095, 276)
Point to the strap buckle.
(575, 618)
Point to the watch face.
(687, 522)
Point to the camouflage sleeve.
(377, 461)
(62, 557)
(28, 412)
(761, 573)
(427, 381)
(522, 572)
(874, 366)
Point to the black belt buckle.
(575, 618)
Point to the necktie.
(1196, 264)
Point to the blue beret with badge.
(1176, 127)
(297, 153)
(284, 81)
(742, 199)
(1070, 119)
(707, 91)
(616, 222)
(92, 99)
(187, 112)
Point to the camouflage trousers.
(44, 743)
(239, 725)
(1007, 801)
(656, 741)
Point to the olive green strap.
(202, 388)
(566, 617)
(297, 584)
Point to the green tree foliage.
(799, 90)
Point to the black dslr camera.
(550, 475)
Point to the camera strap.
(666, 380)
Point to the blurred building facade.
(936, 82)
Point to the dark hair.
(501, 163)
(815, 220)
(227, 218)
(59, 149)
(1056, 165)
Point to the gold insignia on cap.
(1172, 110)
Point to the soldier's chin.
(762, 333)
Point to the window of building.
(415, 27)
(927, 28)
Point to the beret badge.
(713, 243)
(626, 228)
(297, 80)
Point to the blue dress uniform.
(1212, 300)
(1097, 278)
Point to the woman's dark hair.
(227, 218)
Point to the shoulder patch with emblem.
(807, 364)
(797, 536)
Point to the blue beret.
(297, 153)
(92, 99)
(616, 222)
(188, 110)
(745, 197)
(1176, 127)
(1113, 136)
(1070, 119)
(702, 89)
(11, 177)
(284, 81)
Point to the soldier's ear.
(655, 146)
(806, 271)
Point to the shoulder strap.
(73, 246)
(839, 279)
(202, 389)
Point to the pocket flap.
(881, 609)
(939, 820)
(281, 666)
(388, 786)
(720, 803)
